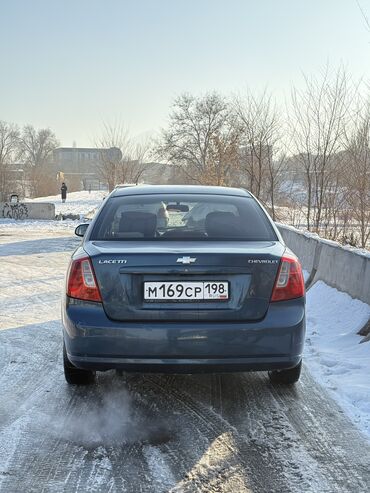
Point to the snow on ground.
(77, 202)
(334, 354)
(53, 226)
(161, 433)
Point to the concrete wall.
(344, 268)
(27, 210)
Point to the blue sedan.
(183, 279)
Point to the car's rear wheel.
(286, 377)
(76, 376)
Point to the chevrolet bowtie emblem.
(186, 260)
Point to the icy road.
(149, 433)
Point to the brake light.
(289, 283)
(81, 282)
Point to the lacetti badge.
(113, 261)
(186, 260)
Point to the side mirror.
(81, 229)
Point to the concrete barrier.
(27, 210)
(342, 267)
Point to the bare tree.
(37, 148)
(200, 138)
(262, 155)
(135, 161)
(318, 120)
(9, 149)
(114, 148)
(358, 172)
(334, 220)
(223, 160)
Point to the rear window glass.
(182, 217)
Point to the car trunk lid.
(123, 267)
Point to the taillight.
(289, 283)
(81, 282)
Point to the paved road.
(150, 433)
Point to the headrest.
(144, 223)
(220, 224)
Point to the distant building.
(79, 165)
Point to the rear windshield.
(182, 217)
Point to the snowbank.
(334, 354)
(77, 202)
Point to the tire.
(286, 377)
(76, 376)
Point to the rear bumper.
(93, 341)
(177, 365)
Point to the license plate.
(186, 291)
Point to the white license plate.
(186, 291)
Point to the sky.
(73, 65)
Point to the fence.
(342, 267)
